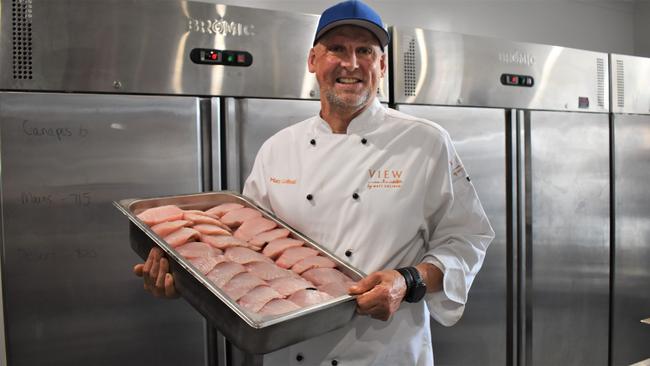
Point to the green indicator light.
(231, 58)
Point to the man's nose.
(349, 61)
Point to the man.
(381, 189)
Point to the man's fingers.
(170, 289)
(365, 284)
(137, 269)
(162, 271)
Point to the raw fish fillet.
(267, 271)
(254, 226)
(336, 289)
(225, 241)
(321, 276)
(292, 255)
(236, 217)
(239, 285)
(199, 212)
(224, 271)
(308, 297)
(277, 307)
(165, 228)
(256, 298)
(243, 255)
(274, 248)
(263, 238)
(221, 210)
(206, 264)
(156, 215)
(210, 229)
(181, 236)
(288, 285)
(197, 249)
(204, 219)
(312, 262)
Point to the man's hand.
(155, 272)
(380, 294)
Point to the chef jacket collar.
(365, 122)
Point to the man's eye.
(365, 51)
(336, 49)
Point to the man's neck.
(339, 118)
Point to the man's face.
(348, 63)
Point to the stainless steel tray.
(249, 332)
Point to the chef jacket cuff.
(447, 306)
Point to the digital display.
(221, 57)
(517, 80)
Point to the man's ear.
(382, 63)
(310, 60)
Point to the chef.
(381, 189)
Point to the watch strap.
(408, 278)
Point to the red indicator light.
(514, 80)
(241, 58)
(213, 56)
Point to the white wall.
(605, 26)
(642, 28)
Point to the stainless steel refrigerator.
(530, 124)
(630, 120)
(105, 100)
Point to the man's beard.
(342, 103)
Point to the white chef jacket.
(390, 193)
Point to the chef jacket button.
(335, 362)
(364, 141)
(313, 142)
(309, 197)
(355, 195)
(348, 253)
(299, 357)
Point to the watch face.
(418, 292)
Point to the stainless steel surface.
(432, 67)
(70, 295)
(248, 331)
(143, 46)
(249, 122)
(630, 76)
(631, 287)
(479, 338)
(569, 189)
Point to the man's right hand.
(155, 272)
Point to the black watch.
(415, 287)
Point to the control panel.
(221, 57)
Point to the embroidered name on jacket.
(282, 180)
(384, 178)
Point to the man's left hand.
(380, 294)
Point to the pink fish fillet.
(197, 249)
(199, 212)
(156, 215)
(267, 271)
(210, 229)
(265, 237)
(288, 285)
(239, 285)
(274, 248)
(321, 276)
(277, 307)
(226, 241)
(336, 289)
(312, 262)
(293, 255)
(222, 209)
(309, 297)
(168, 227)
(256, 298)
(254, 226)
(224, 271)
(206, 264)
(203, 219)
(243, 255)
(181, 236)
(236, 217)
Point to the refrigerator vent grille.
(409, 70)
(620, 83)
(21, 14)
(600, 69)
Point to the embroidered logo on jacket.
(384, 178)
(282, 180)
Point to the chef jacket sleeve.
(256, 187)
(458, 229)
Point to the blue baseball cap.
(352, 12)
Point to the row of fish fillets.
(247, 256)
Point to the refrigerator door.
(567, 238)
(479, 338)
(631, 294)
(249, 122)
(70, 295)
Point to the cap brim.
(379, 32)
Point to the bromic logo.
(221, 27)
(384, 178)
